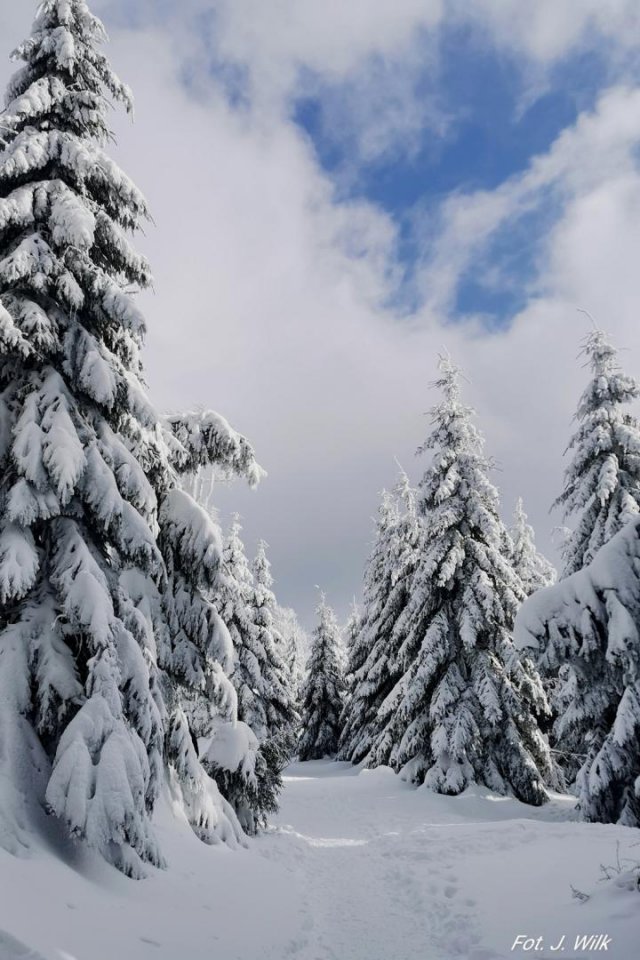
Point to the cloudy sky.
(340, 189)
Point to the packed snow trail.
(357, 866)
(374, 886)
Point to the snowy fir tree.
(465, 709)
(387, 666)
(254, 677)
(377, 585)
(533, 569)
(197, 653)
(602, 483)
(589, 623)
(197, 658)
(351, 634)
(111, 657)
(295, 643)
(78, 511)
(535, 572)
(387, 591)
(278, 709)
(233, 599)
(323, 690)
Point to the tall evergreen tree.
(322, 694)
(256, 680)
(533, 569)
(363, 735)
(233, 599)
(407, 545)
(589, 624)
(466, 703)
(78, 511)
(295, 643)
(602, 483)
(377, 586)
(352, 632)
(103, 560)
(278, 695)
(197, 654)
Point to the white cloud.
(270, 292)
(547, 30)
(332, 38)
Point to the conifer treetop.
(457, 497)
(66, 74)
(265, 600)
(234, 555)
(602, 482)
(534, 570)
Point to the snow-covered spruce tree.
(352, 630)
(295, 642)
(390, 668)
(281, 718)
(602, 483)
(589, 622)
(384, 604)
(199, 657)
(204, 447)
(195, 653)
(203, 720)
(533, 569)
(323, 691)
(92, 613)
(78, 512)
(467, 704)
(252, 789)
(535, 572)
(377, 586)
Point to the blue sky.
(495, 125)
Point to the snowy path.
(371, 880)
(358, 866)
(390, 873)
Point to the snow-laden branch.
(205, 439)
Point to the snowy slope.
(360, 866)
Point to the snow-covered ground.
(359, 866)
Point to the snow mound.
(231, 745)
(377, 773)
